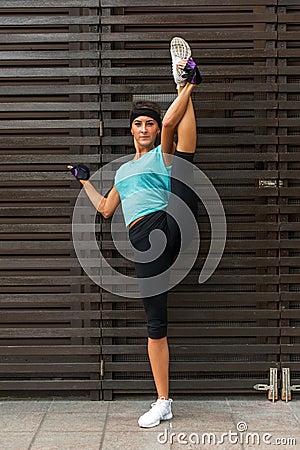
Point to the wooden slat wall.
(49, 84)
(289, 166)
(224, 335)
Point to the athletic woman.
(149, 176)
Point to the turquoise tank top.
(144, 185)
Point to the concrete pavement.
(202, 422)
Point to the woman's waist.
(135, 221)
(147, 222)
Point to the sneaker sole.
(180, 49)
(154, 424)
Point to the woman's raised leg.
(186, 129)
(176, 112)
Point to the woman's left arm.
(104, 205)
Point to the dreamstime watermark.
(241, 436)
(96, 266)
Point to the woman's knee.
(156, 343)
(157, 331)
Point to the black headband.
(146, 112)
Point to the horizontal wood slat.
(43, 20)
(209, 385)
(203, 36)
(191, 18)
(216, 3)
(222, 3)
(48, 55)
(57, 385)
(49, 73)
(50, 333)
(37, 350)
(19, 4)
(15, 38)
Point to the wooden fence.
(67, 69)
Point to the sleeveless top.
(144, 185)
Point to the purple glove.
(80, 172)
(191, 73)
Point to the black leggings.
(156, 306)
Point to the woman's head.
(141, 107)
(145, 122)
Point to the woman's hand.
(80, 171)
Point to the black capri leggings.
(156, 305)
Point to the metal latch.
(286, 392)
(262, 183)
(272, 388)
(102, 368)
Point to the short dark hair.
(139, 104)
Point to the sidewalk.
(77, 425)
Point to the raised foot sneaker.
(179, 49)
(160, 410)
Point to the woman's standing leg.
(158, 352)
(155, 307)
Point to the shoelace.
(157, 404)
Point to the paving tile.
(20, 421)
(266, 422)
(259, 407)
(294, 407)
(83, 422)
(190, 409)
(24, 406)
(245, 397)
(141, 439)
(15, 440)
(66, 441)
(272, 445)
(61, 406)
(177, 446)
(124, 415)
(128, 423)
(202, 421)
(130, 407)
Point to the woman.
(143, 186)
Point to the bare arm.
(104, 205)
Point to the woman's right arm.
(104, 205)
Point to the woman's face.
(145, 130)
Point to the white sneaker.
(160, 410)
(179, 49)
